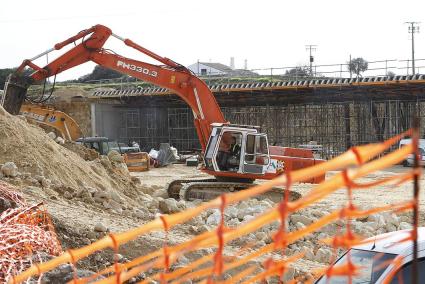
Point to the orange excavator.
(235, 155)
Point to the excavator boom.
(232, 153)
(171, 75)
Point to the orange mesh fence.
(216, 266)
(26, 232)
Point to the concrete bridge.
(300, 91)
(335, 112)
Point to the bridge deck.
(373, 86)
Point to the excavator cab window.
(257, 156)
(105, 148)
(95, 146)
(209, 155)
(229, 151)
(224, 150)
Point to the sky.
(267, 33)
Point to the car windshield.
(113, 145)
(372, 265)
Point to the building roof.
(224, 68)
(218, 66)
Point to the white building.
(209, 69)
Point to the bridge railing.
(301, 72)
(375, 68)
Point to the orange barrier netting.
(25, 233)
(213, 267)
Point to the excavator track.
(209, 189)
(175, 186)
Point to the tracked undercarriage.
(208, 189)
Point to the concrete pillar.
(93, 118)
(347, 119)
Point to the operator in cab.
(229, 152)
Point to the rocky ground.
(317, 255)
(85, 215)
(90, 196)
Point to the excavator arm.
(62, 122)
(171, 75)
(254, 161)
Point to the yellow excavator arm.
(63, 123)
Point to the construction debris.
(165, 156)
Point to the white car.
(410, 158)
(375, 260)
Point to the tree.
(3, 76)
(100, 73)
(298, 71)
(4, 73)
(357, 66)
(390, 74)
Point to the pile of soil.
(84, 152)
(36, 154)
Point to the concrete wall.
(106, 121)
(79, 110)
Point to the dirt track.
(379, 195)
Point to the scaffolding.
(335, 127)
(151, 126)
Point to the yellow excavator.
(69, 129)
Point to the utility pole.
(310, 48)
(349, 67)
(413, 28)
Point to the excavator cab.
(237, 148)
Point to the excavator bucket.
(137, 162)
(15, 91)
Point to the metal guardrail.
(375, 68)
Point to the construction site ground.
(75, 221)
(89, 197)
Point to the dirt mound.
(36, 154)
(82, 151)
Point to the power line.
(413, 28)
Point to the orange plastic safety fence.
(10, 194)
(215, 267)
(26, 232)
